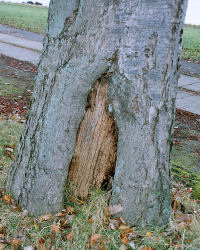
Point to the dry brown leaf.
(70, 236)
(94, 238)
(90, 221)
(2, 229)
(16, 242)
(107, 212)
(122, 221)
(149, 234)
(7, 199)
(63, 222)
(146, 248)
(55, 228)
(61, 214)
(80, 203)
(125, 228)
(101, 248)
(188, 218)
(70, 210)
(45, 217)
(9, 149)
(175, 205)
(1, 236)
(41, 244)
(12, 157)
(124, 239)
(114, 224)
(71, 199)
(115, 209)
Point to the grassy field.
(32, 18)
(191, 43)
(88, 224)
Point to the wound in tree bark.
(95, 153)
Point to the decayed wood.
(96, 147)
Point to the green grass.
(32, 18)
(191, 43)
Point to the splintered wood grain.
(96, 146)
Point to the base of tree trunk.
(96, 146)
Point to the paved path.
(27, 46)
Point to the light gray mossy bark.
(138, 42)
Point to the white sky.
(193, 12)
(192, 15)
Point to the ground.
(89, 224)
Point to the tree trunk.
(136, 45)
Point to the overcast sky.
(193, 12)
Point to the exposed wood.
(96, 147)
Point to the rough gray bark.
(138, 42)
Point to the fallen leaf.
(55, 228)
(63, 222)
(45, 217)
(124, 240)
(94, 238)
(114, 224)
(10, 149)
(188, 218)
(70, 210)
(101, 248)
(61, 214)
(71, 199)
(125, 228)
(146, 248)
(1, 236)
(7, 199)
(176, 142)
(16, 242)
(107, 212)
(122, 221)
(41, 243)
(149, 234)
(116, 209)
(175, 204)
(80, 203)
(90, 221)
(70, 236)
